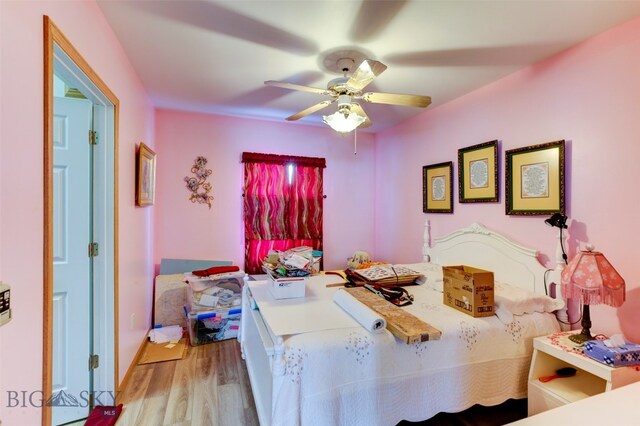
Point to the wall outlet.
(132, 324)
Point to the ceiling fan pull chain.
(355, 141)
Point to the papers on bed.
(388, 274)
(367, 318)
(431, 274)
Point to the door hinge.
(94, 362)
(93, 137)
(93, 249)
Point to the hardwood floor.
(210, 386)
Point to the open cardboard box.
(469, 290)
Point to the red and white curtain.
(282, 205)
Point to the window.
(282, 205)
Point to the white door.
(71, 263)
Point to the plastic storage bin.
(221, 293)
(213, 325)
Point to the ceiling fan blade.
(366, 72)
(373, 17)
(299, 87)
(355, 107)
(397, 99)
(311, 110)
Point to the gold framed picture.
(437, 181)
(478, 173)
(534, 179)
(145, 176)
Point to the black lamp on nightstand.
(592, 280)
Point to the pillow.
(431, 272)
(510, 301)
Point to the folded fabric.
(510, 301)
(165, 334)
(215, 270)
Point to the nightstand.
(592, 377)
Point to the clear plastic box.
(206, 293)
(213, 325)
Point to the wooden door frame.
(52, 34)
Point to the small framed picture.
(534, 179)
(437, 181)
(478, 173)
(145, 176)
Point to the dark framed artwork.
(437, 181)
(534, 179)
(478, 173)
(145, 176)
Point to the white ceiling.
(213, 56)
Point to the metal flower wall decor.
(198, 185)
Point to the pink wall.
(186, 230)
(21, 185)
(587, 95)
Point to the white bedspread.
(349, 376)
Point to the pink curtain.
(279, 214)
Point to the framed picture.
(478, 173)
(534, 181)
(437, 181)
(145, 176)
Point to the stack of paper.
(388, 274)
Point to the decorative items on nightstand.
(555, 352)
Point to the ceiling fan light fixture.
(344, 90)
(343, 121)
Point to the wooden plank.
(180, 404)
(205, 393)
(230, 403)
(227, 371)
(132, 396)
(401, 323)
(153, 409)
(131, 369)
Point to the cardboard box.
(629, 354)
(286, 288)
(469, 290)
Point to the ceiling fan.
(346, 91)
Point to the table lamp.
(592, 280)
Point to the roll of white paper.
(369, 319)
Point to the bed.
(319, 367)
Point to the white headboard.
(480, 247)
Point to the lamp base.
(585, 334)
(580, 338)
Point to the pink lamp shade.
(590, 278)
